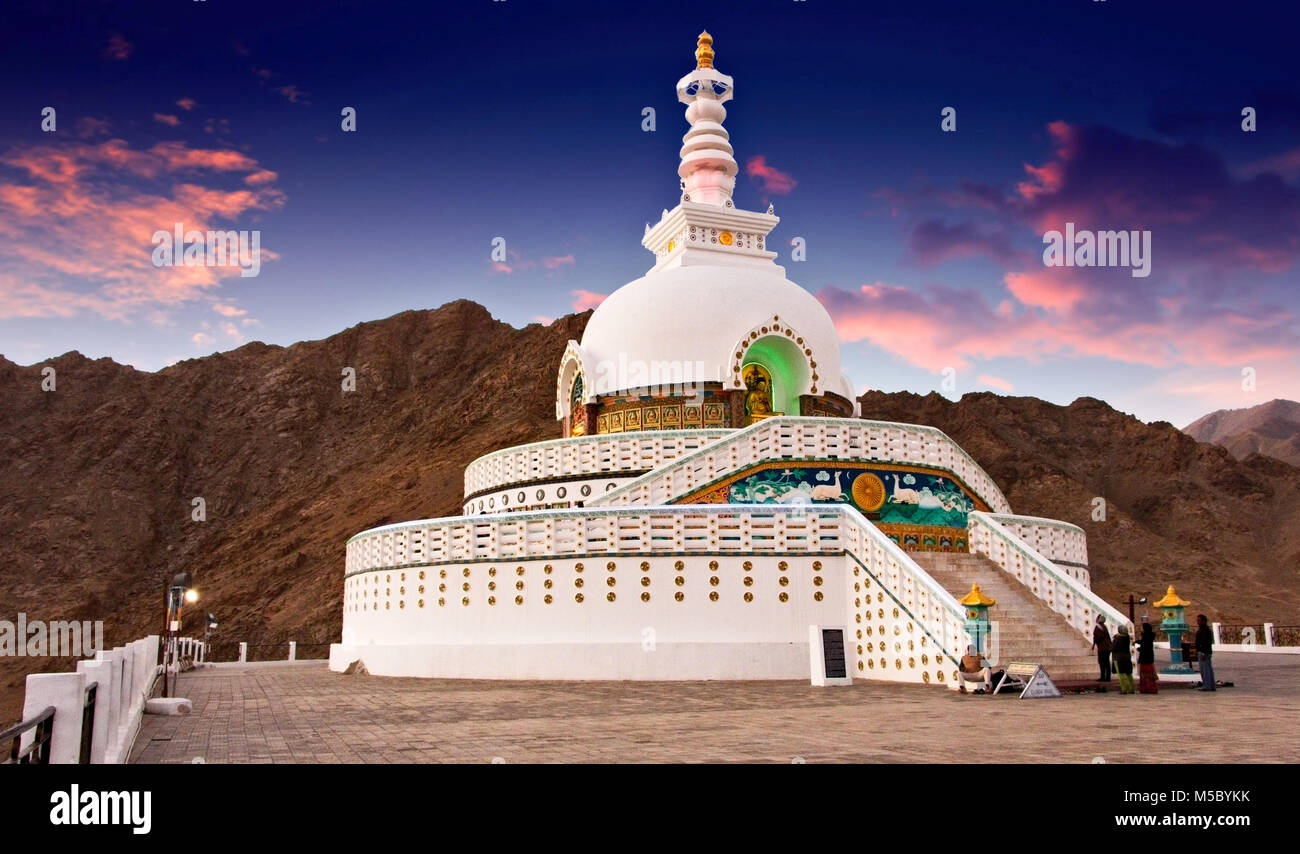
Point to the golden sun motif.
(868, 491)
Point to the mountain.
(1224, 532)
(98, 477)
(1272, 429)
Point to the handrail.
(1039, 520)
(977, 520)
(43, 723)
(770, 428)
(475, 470)
(945, 599)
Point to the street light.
(1132, 602)
(212, 624)
(178, 592)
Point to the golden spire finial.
(704, 51)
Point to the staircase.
(1028, 630)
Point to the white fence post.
(243, 651)
(1268, 634)
(127, 697)
(66, 692)
(293, 650)
(1218, 634)
(100, 674)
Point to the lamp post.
(1173, 624)
(1132, 602)
(212, 624)
(977, 617)
(178, 593)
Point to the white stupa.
(716, 507)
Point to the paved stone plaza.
(302, 713)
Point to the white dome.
(699, 317)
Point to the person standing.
(1122, 659)
(1204, 652)
(1147, 659)
(1101, 643)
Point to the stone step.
(1028, 630)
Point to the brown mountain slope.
(1271, 428)
(97, 478)
(1225, 532)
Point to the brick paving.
(306, 714)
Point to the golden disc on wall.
(868, 491)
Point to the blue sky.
(523, 120)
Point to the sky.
(524, 121)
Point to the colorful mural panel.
(662, 413)
(918, 508)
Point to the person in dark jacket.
(1121, 656)
(1101, 643)
(1204, 652)
(1147, 659)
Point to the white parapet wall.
(581, 458)
(790, 437)
(1065, 545)
(121, 680)
(689, 592)
(1058, 589)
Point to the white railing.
(122, 678)
(933, 607)
(1062, 593)
(584, 455)
(809, 438)
(1064, 544)
(698, 528)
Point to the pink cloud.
(164, 119)
(185, 104)
(995, 382)
(76, 229)
(1052, 288)
(501, 267)
(583, 300)
(118, 48)
(543, 319)
(941, 327)
(771, 179)
(1286, 164)
(293, 94)
(226, 310)
(553, 262)
(260, 177)
(89, 127)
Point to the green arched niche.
(787, 366)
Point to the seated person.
(974, 667)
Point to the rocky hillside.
(1225, 532)
(98, 477)
(1272, 429)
